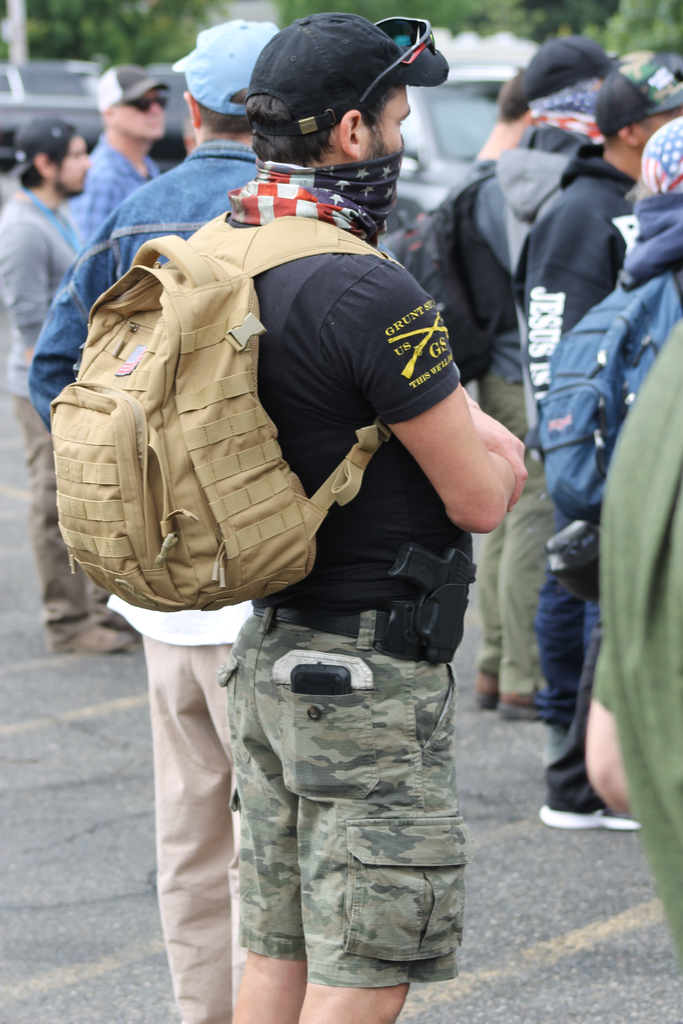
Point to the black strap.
(328, 622)
(304, 126)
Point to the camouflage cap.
(646, 83)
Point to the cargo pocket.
(328, 748)
(405, 896)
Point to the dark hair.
(302, 150)
(55, 152)
(226, 124)
(512, 103)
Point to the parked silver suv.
(448, 126)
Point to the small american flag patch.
(130, 364)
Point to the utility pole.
(18, 46)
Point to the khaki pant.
(71, 603)
(197, 834)
(511, 567)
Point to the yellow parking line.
(643, 915)
(77, 715)
(537, 957)
(77, 973)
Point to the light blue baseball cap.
(222, 62)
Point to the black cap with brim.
(643, 86)
(40, 136)
(561, 62)
(320, 66)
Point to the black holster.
(431, 627)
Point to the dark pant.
(563, 627)
(568, 785)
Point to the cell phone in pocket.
(321, 680)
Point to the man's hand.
(499, 440)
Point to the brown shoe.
(516, 706)
(97, 640)
(486, 690)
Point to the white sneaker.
(604, 818)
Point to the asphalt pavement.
(561, 927)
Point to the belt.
(327, 622)
(349, 625)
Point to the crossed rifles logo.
(437, 347)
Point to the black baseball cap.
(44, 135)
(561, 62)
(645, 84)
(322, 65)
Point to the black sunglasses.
(413, 35)
(145, 102)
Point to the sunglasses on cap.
(146, 102)
(413, 35)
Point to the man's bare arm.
(499, 439)
(476, 485)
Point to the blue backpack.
(596, 372)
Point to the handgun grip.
(414, 564)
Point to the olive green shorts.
(353, 851)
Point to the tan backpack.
(172, 489)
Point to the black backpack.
(435, 248)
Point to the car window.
(4, 83)
(54, 81)
(462, 117)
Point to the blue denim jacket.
(177, 203)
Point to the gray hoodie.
(33, 260)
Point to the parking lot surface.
(561, 927)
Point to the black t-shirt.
(349, 338)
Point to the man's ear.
(632, 135)
(193, 107)
(46, 168)
(350, 136)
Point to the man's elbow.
(604, 762)
(479, 516)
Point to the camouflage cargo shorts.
(353, 850)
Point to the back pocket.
(405, 896)
(328, 748)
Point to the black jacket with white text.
(573, 255)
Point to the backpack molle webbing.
(172, 489)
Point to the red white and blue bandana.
(572, 109)
(662, 165)
(356, 197)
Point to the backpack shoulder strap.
(194, 266)
(283, 240)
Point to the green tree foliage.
(566, 17)
(536, 19)
(121, 31)
(485, 16)
(646, 25)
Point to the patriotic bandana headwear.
(662, 166)
(572, 109)
(356, 197)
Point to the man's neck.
(244, 138)
(134, 150)
(48, 195)
(624, 159)
(503, 136)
